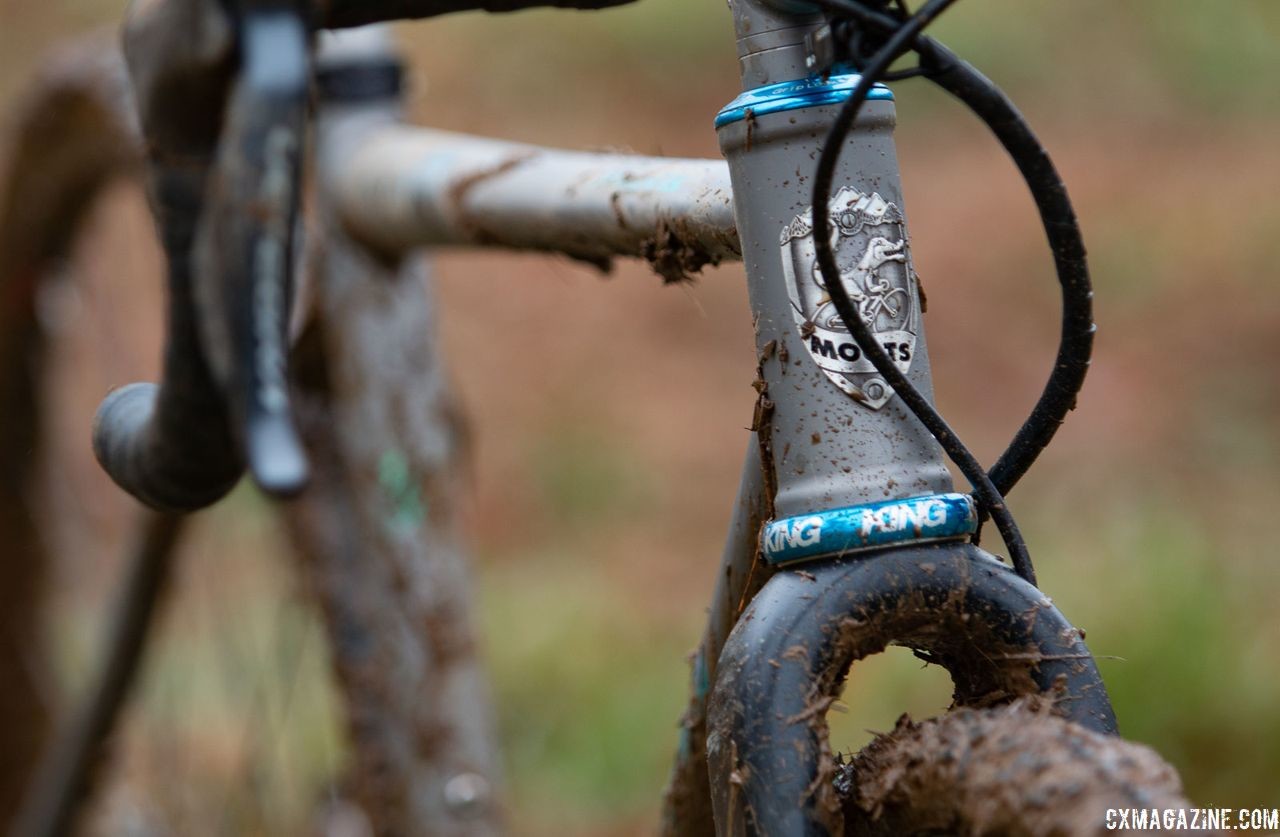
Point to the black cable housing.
(990, 499)
(1075, 346)
(898, 33)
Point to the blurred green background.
(612, 460)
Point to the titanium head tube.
(832, 433)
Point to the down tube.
(687, 801)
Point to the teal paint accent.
(401, 491)
(701, 687)
(793, 95)
(895, 522)
(666, 182)
(701, 675)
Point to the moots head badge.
(870, 244)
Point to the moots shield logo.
(870, 244)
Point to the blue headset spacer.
(793, 95)
(838, 532)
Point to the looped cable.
(901, 36)
(1062, 230)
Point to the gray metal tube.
(377, 527)
(834, 434)
(687, 801)
(771, 39)
(410, 187)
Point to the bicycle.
(760, 694)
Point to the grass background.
(609, 413)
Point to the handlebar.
(170, 446)
(225, 190)
(227, 222)
(344, 13)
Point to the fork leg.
(376, 534)
(378, 526)
(786, 660)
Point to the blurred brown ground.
(610, 411)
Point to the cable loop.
(1075, 347)
(898, 34)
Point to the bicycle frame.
(836, 466)
(847, 534)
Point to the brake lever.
(244, 252)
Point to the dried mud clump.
(675, 254)
(1013, 770)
